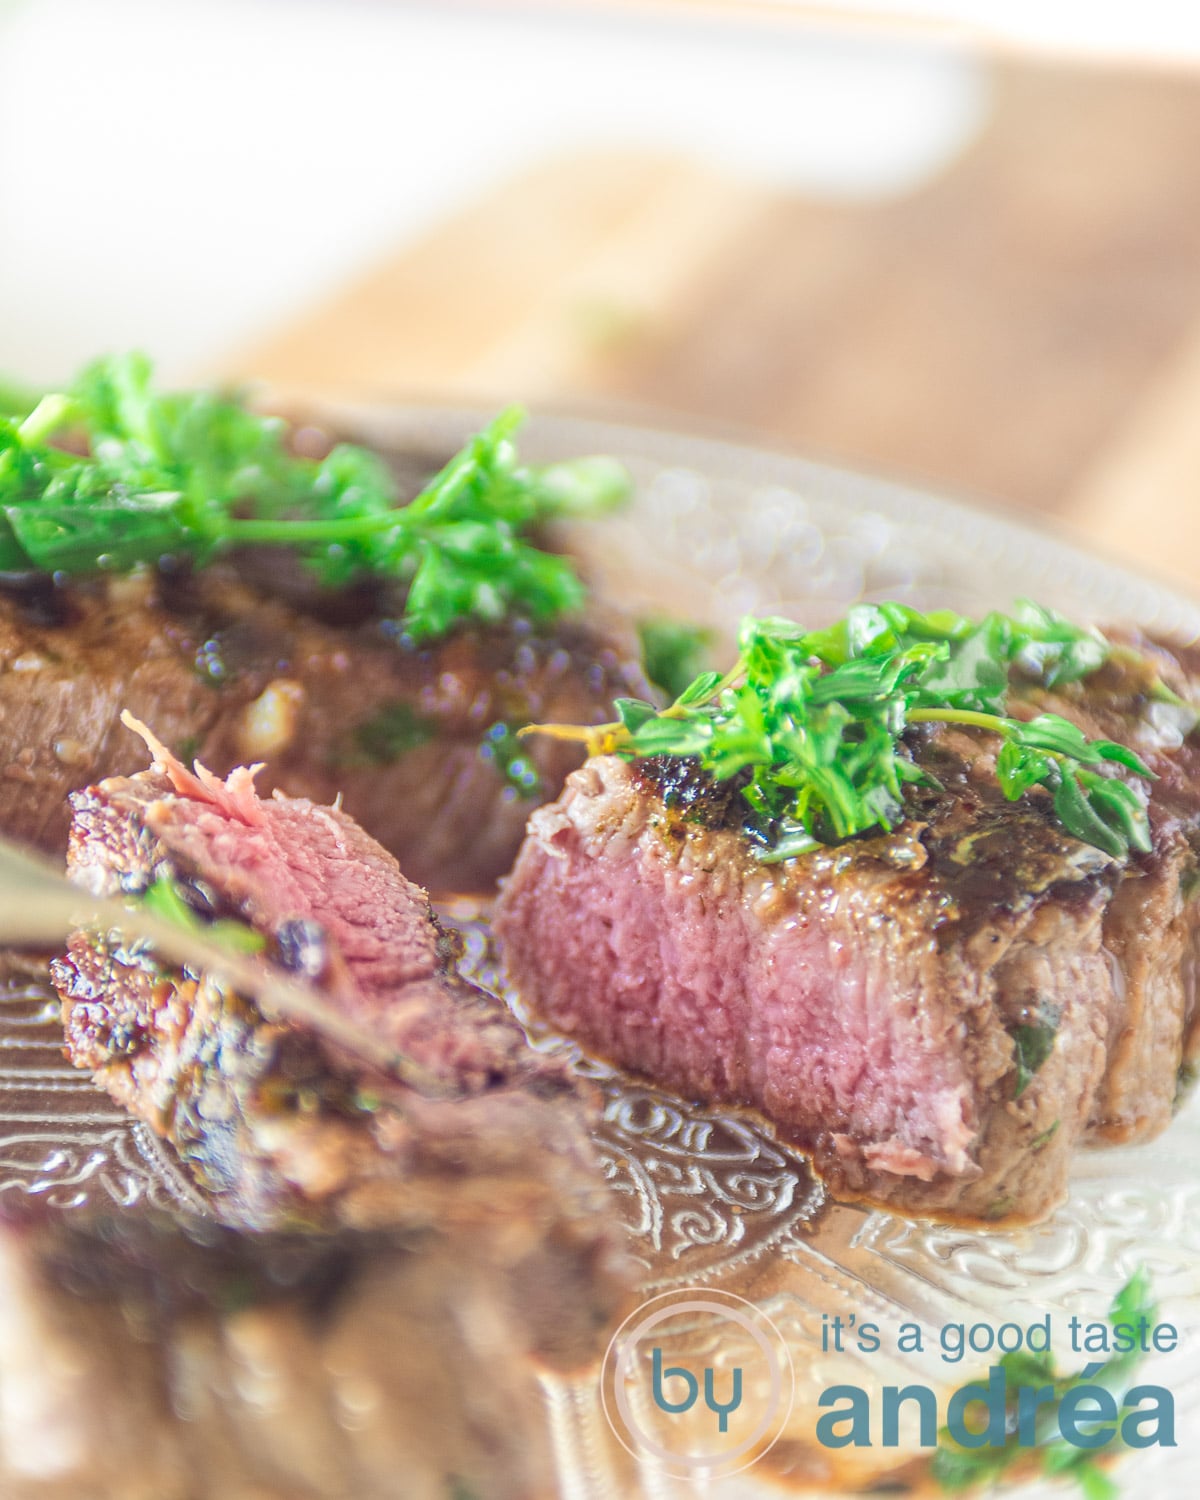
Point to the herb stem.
(812, 723)
(599, 739)
(603, 739)
(349, 529)
(966, 716)
(46, 418)
(191, 474)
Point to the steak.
(416, 740)
(399, 1259)
(938, 1014)
(180, 1361)
(279, 1124)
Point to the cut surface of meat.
(404, 1264)
(939, 1014)
(277, 1124)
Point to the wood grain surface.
(1023, 329)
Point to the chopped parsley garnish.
(111, 474)
(957, 1469)
(1032, 1045)
(812, 722)
(391, 732)
(673, 652)
(164, 898)
(501, 747)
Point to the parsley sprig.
(957, 1469)
(111, 474)
(812, 722)
(673, 652)
(164, 898)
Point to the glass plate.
(712, 1202)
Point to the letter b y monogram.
(691, 1386)
(672, 1372)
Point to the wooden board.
(1026, 328)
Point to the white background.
(182, 175)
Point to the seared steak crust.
(390, 1267)
(329, 693)
(275, 1124)
(939, 1014)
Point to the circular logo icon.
(697, 1380)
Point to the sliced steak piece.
(939, 1014)
(1151, 933)
(417, 741)
(392, 1271)
(277, 1125)
(180, 1361)
(180, 1358)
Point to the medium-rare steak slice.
(178, 1361)
(277, 1125)
(168, 1356)
(393, 1273)
(416, 740)
(939, 1013)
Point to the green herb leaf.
(1019, 767)
(1135, 1300)
(701, 690)
(583, 487)
(957, 1470)
(1052, 649)
(1077, 815)
(195, 474)
(1028, 1367)
(658, 737)
(1117, 805)
(634, 712)
(165, 899)
(673, 653)
(975, 674)
(1032, 1045)
(813, 723)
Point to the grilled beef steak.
(279, 1124)
(940, 1014)
(182, 1362)
(394, 1269)
(418, 741)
